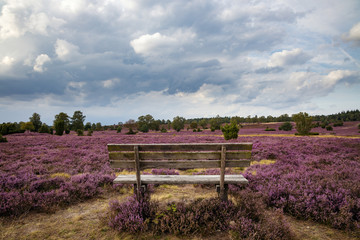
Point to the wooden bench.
(180, 156)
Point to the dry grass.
(87, 220)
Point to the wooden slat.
(178, 155)
(222, 173)
(182, 179)
(180, 147)
(179, 164)
(137, 169)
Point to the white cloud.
(110, 82)
(65, 50)
(286, 58)
(353, 35)
(7, 61)
(40, 61)
(157, 43)
(20, 17)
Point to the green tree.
(178, 123)
(215, 123)
(144, 123)
(98, 126)
(77, 121)
(286, 126)
(63, 117)
(230, 131)
(303, 123)
(59, 126)
(28, 126)
(35, 119)
(203, 123)
(87, 126)
(44, 128)
(193, 125)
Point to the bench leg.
(143, 189)
(225, 196)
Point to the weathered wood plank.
(185, 164)
(222, 173)
(181, 147)
(179, 155)
(182, 179)
(137, 169)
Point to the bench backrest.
(179, 155)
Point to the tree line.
(63, 123)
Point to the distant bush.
(286, 126)
(269, 129)
(324, 124)
(338, 124)
(80, 132)
(44, 128)
(89, 133)
(359, 126)
(67, 131)
(163, 130)
(119, 128)
(329, 128)
(2, 139)
(303, 123)
(212, 129)
(131, 131)
(59, 127)
(230, 131)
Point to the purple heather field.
(313, 177)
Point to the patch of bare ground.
(87, 220)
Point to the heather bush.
(254, 221)
(162, 171)
(270, 129)
(202, 216)
(131, 215)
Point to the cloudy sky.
(120, 59)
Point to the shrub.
(130, 132)
(359, 126)
(119, 128)
(80, 132)
(230, 131)
(286, 126)
(2, 139)
(303, 123)
(338, 124)
(89, 133)
(269, 129)
(44, 128)
(67, 131)
(131, 215)
(59, 127)
(163, 130)
(178, 123)
(329, 128)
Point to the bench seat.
(182, 179)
